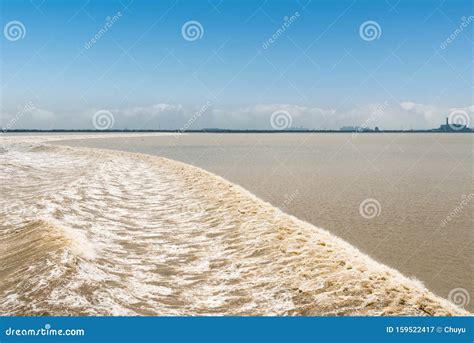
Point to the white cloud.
(258, 116)
(38, 114)
(153, 110)
(468, 109)
(428, 113)
(404, 115)
(27, 117)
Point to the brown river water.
(96, 232)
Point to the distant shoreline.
(232, 131)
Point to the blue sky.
(318, 69)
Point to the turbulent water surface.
(419, 186)
(95, 232)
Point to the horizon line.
(217, 130)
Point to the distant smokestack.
(447, 121)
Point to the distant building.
(355, 129)
(300, 128)
(350, 128)
(453, 127)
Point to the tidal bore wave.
(94, 232)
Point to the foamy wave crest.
(34, 260)
(127, 234)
